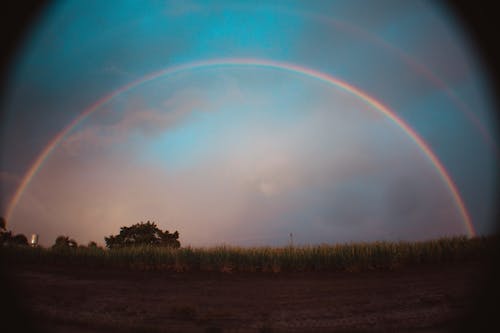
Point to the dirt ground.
(422, 299)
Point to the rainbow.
(239, 62)
(422, 70)
(416, 66)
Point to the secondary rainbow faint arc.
(255, 63)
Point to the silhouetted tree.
(64, 242)
(19, 239)
(4, 234)
(143, 234)
(7, 238)
(92, 245)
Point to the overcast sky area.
(246, 155)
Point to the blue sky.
(300, 137)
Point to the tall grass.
(340, 257)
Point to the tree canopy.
(8, 239)
(64, 242)
(143, 234)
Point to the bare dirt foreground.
(423, 299)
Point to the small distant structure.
(34, 240)
(291, 239)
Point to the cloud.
(252, 152)
(145, 122)
(115, 124)
(321, 166)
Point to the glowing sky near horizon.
(247, 155)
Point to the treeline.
(140, 234)
(9, 239)
(144, 246)
(319, 258)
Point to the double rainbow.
(377, 105)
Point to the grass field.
(358, 287)
(340, 257)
